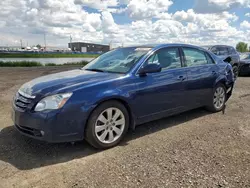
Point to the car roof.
(162, 45)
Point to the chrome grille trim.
(26, 95)
(21, 102)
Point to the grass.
(82, 63)
(37, 64)
(45, 55)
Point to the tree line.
(242, 47)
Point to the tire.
(107, 125)
(219, 94)
(236, 71)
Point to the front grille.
(22, 102)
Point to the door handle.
(181, 78)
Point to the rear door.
(201, 75)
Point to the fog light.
(42, 133)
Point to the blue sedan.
(120, 89)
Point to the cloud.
(247, 14)
(97, 4)
(206, 22)
(210, 28)
(151, 22)
(245, 25)
(142, 9)
(216, 6)
(108, 23)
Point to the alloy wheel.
(110, 125)
(219, 97)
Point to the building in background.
(88, 47)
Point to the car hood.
(62, 81)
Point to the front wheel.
(218, 100)
(107, 125)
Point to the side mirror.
(228, 60)
(150, 68)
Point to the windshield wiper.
(96, 70)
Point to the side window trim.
(183, 58)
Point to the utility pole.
(45, 42)
(70, 42)
(21, 43)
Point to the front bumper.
(53, 127)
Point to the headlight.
(52, 102)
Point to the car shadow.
(25, 153)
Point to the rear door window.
(195, 57)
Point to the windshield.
(117, 61)
(247, 56)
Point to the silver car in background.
(228, 54)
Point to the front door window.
(168, 58)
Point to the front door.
(162, 93)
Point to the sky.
(124, 22)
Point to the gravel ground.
(194, 149)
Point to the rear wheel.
(218, 100)
(107, 125)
